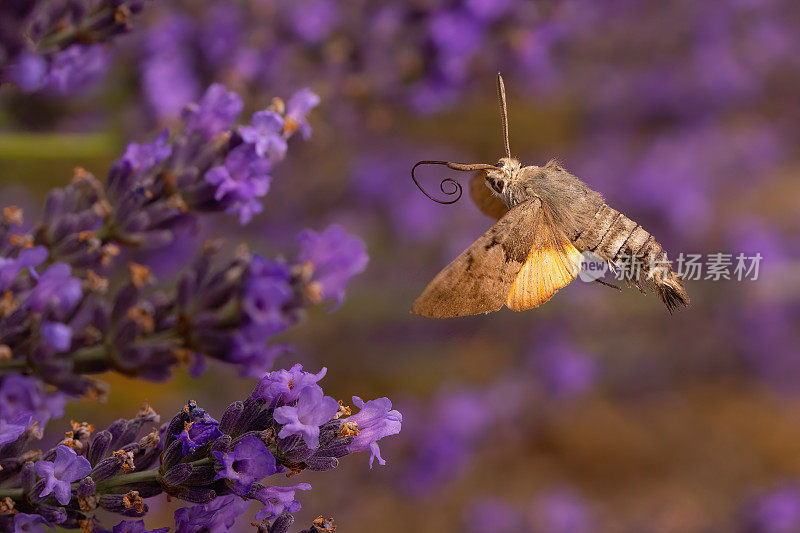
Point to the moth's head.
(500, 177)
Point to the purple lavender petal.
(286, 385)
(58, 474)
(376, 419)
(57, 336)
(217, 515)
(215, 113)
(249, 462)
(312, 410)
(336, 256)
(276, 500)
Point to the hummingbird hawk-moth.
(545, 218)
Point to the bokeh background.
(596, 412)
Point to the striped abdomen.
(618, 239)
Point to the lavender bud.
(99, 447)
(86, 486)
(113, 503)
(282, 523)
(298, 454)
(201, 475)
(146, 489)
(289, 443)
(221, 444)
(322, 464)
(105, 469)
(336, 449)
(55, 515)
(250, 411)
(230, 417)
(49, 455)
(126, 298)
(177, 474)
(197, 495)
(172, 455)
(174, 428)
(328, 432)
(27, 478)
(116, 429)
(35, 494)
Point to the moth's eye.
(495, 184)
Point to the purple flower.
(250, 461)
(27, 258)
(312, 410)
(777, 511)
(493, 516)
(488, 9)
(29, 72)
(242, 179)
(217, 516)
(77, 66)
(144, 156)
(286, 385)
(313, 20)
(26, 395)
(276, 500)
(56, 335)
(250, 352)
(265, 294)
(10, 430)
(30, 523)
(168, 78)
(136, 526)
(216, 112)
(335, 256)
(67, 467)
(458, 36)
(200, 429)
(376, 419)
(265, 135)
(566, 372)
(55, 287)
(299, 106)
(561, 511)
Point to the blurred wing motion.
(488, 202)
(521, 262)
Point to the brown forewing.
(479, 280)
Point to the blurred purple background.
(595, 412)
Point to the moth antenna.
(456, 186)
(501, 94)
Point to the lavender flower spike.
(58, 474)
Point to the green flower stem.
(111, 483)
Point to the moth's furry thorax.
(570, 201)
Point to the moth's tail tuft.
(670, 289)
